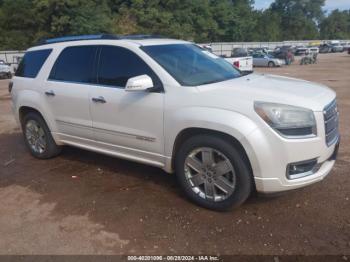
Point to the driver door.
(129, 123)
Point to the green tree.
(74, 17)
(336, 25)
(236, 20)
(18, 23)
(176, 18)
(299, 18)
(268, 26)
(24, 22)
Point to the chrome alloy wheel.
(210, 174)
(35, 136)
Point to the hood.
(245, 90)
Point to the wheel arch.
(31, 100)
(24, 110)
(193, 131)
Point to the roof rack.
(140, 37)
(96, 37)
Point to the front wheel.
(213, 173)
(271, 64)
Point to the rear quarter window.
(32, 63)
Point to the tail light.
(236, 64)
(10, 86)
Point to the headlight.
(289, 121)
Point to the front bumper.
(274, 185)
(272, 153)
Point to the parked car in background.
(346, 46)
(170, 104)
(325, 48)
(261, 50)
(206, 47)
(337, 48)
(244, 64)
(266, 60)
(314, 50)
(241, 61)
(239, 52)
(282, 53)
(301, 51)
(285, 48)
(349, 50)
(5, 70)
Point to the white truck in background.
(244, 64)
(239, 59)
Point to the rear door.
(67, 91)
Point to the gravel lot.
(119, 207)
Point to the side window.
(75, 64)
(118, 64)
(32, 62)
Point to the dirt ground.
(119, 207)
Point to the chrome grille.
(331, 123)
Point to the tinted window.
(32, 63)
(191, 65)
(239, 52)
(75, 64)
(118, 64)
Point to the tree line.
(25, 22)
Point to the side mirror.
(139, 83)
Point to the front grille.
(331, 123)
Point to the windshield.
(191, 65)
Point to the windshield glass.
(191, 65)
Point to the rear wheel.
(38, 137)
(213, 173)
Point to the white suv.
(173, 105)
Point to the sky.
(330, 4)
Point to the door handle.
(99, 99)
(50, 93)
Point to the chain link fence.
(219, 48)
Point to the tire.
(47, 148)
(271, 64)
(241, 175)
(9, 75)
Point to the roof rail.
(76, 38)
(95, 37)
(140, 37)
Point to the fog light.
(302, 169)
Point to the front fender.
(231, 123)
